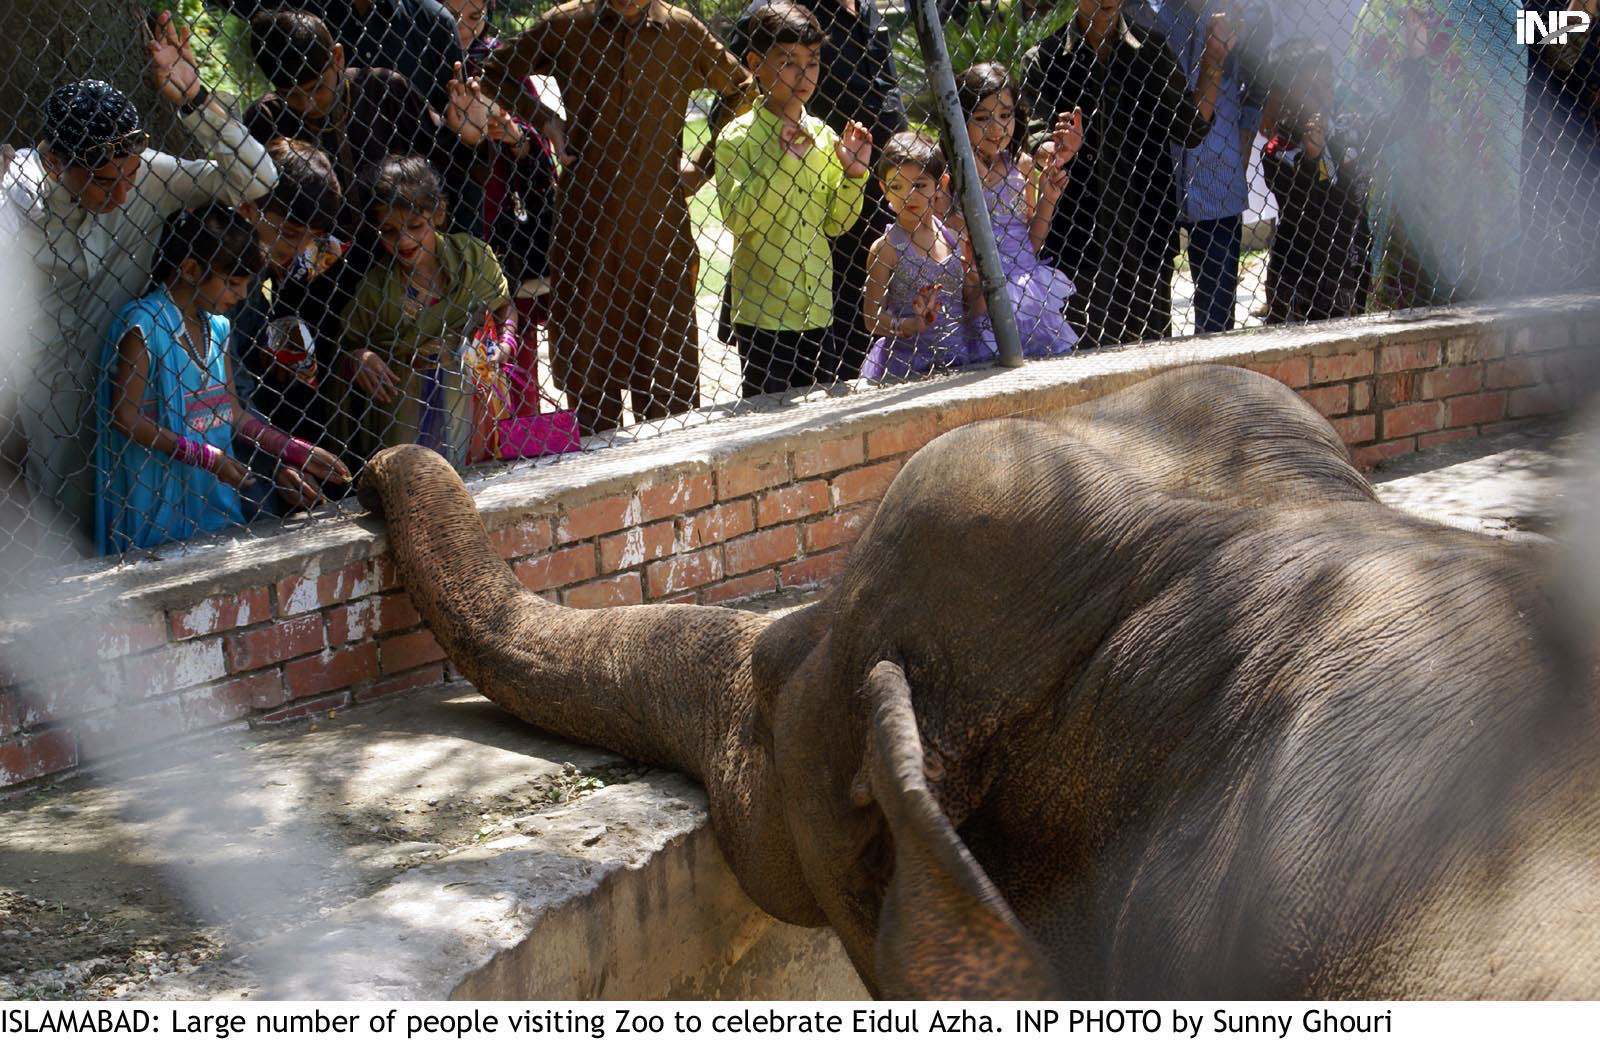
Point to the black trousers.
(774, 361)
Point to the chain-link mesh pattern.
(500, 232)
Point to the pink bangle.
(275, 442)
(195, 453)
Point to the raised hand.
(1068, 135)
(1222, 36)
(795, 139)
(172, 65)
(1053, 177)
(469, 109)
(506, 130)
(924, 310)
(854, 149)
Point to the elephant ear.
(944, 932)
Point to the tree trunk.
(51, 42)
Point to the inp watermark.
(1551, 27)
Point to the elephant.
(1151, 698)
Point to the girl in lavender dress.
(921, 298)
(1020, 206)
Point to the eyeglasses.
(98, 156)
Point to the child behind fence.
(1021, 207)
(166, 411)
(407, 329)
(285, 336)
(786, 183)
(922, 298)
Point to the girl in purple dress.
(1020, 209)
(921, 298)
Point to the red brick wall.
(308, 643)
(331, 632)
(1412, 394)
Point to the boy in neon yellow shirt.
(786, 183)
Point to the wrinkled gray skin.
(1150, 700)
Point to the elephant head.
(697, 689)
(1150, 699)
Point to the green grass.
(221, 43)
(704, 217)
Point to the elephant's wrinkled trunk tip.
(375, 483)
(369, 485)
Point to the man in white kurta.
(80, 216)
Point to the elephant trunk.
(662, 685)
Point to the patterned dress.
(1444, 205)
(953, 340)
(146, 498)
(1039, 292)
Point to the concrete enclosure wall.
(284, 623)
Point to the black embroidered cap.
(89, 122)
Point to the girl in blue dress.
(166, 412)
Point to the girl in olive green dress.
(409, 328)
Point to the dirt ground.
(123, 884)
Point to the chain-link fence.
(509, 234)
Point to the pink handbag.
(533, 435)
(533, 432)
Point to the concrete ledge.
(288, 621)
(417, 850)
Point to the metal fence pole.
(968, 187)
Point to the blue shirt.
(1212, 180)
